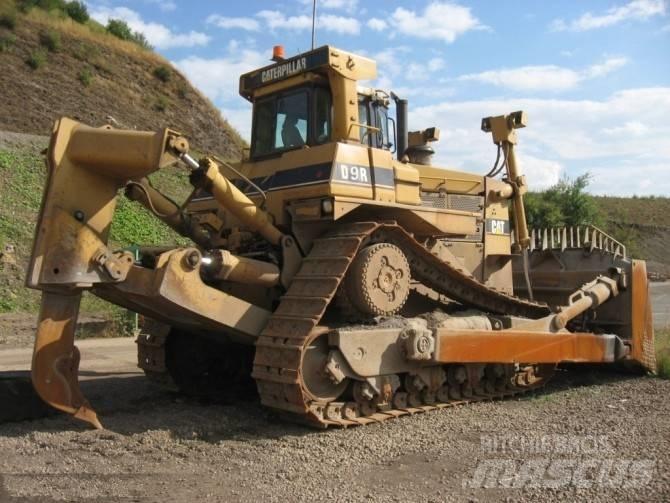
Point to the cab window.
(323, 104)
(291, 130)
(364, 118)
(375, 114)
(291, 120)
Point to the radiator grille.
(459, 202)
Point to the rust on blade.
(642, 350)
(516, 346)
(55, 364)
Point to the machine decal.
(497, 226)
(286, 179)
(384, 177)
(353, 174)
(285, 69)
(363, 175)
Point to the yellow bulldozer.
(352, 279)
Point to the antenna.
(313, 22)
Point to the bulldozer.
(351, 278)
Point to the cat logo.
(498, 227)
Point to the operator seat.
(290, 134)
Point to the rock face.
(98, 79)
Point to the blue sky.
(593, 76)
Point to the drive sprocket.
(378, 280)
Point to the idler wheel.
(318, 383)
(378, 280)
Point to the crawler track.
(295, 325)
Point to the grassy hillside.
(22, 176)
(642, 224)
(53, 66)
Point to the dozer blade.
(55, 364)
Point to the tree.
(564, 204)
(119, 29)
(77, 11)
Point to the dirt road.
(590, 435)
(158, 448)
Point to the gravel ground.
(160, 448)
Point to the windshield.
(284, 121)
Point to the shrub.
(48, 5)
(119, 29)
(182, 92)
(51, 40)
(161, 104)
(162, 73)
(7, 42)
(8, 20)
(85, 77)
(36, 59)
(77, 11)
(566, 203)
(85, 52)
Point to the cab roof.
(344, 63)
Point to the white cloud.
(435, 64)
(633, 128)
(243, 23)
(165, 6)
(565, 136)
(439, 20)
(158, 35)
(218, 78)
(338, 24)
(275, 20)
(377, 24)
(636, 10)
(348, 5)
(544, 77)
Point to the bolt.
(192, 259)
(79, 215)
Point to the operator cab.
(313, 99)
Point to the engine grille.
(461, 202)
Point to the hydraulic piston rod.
(207, 175)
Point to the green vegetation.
(564, 204)
(8, 20)
(75, 10)
(120, 29)
(663, 352)
(85, 77)
(36, 59)
(7, 42)
(161, 104)
(162, 73)
(50, 40)
(22, 175)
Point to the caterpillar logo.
(284, 70)
(496, 226)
